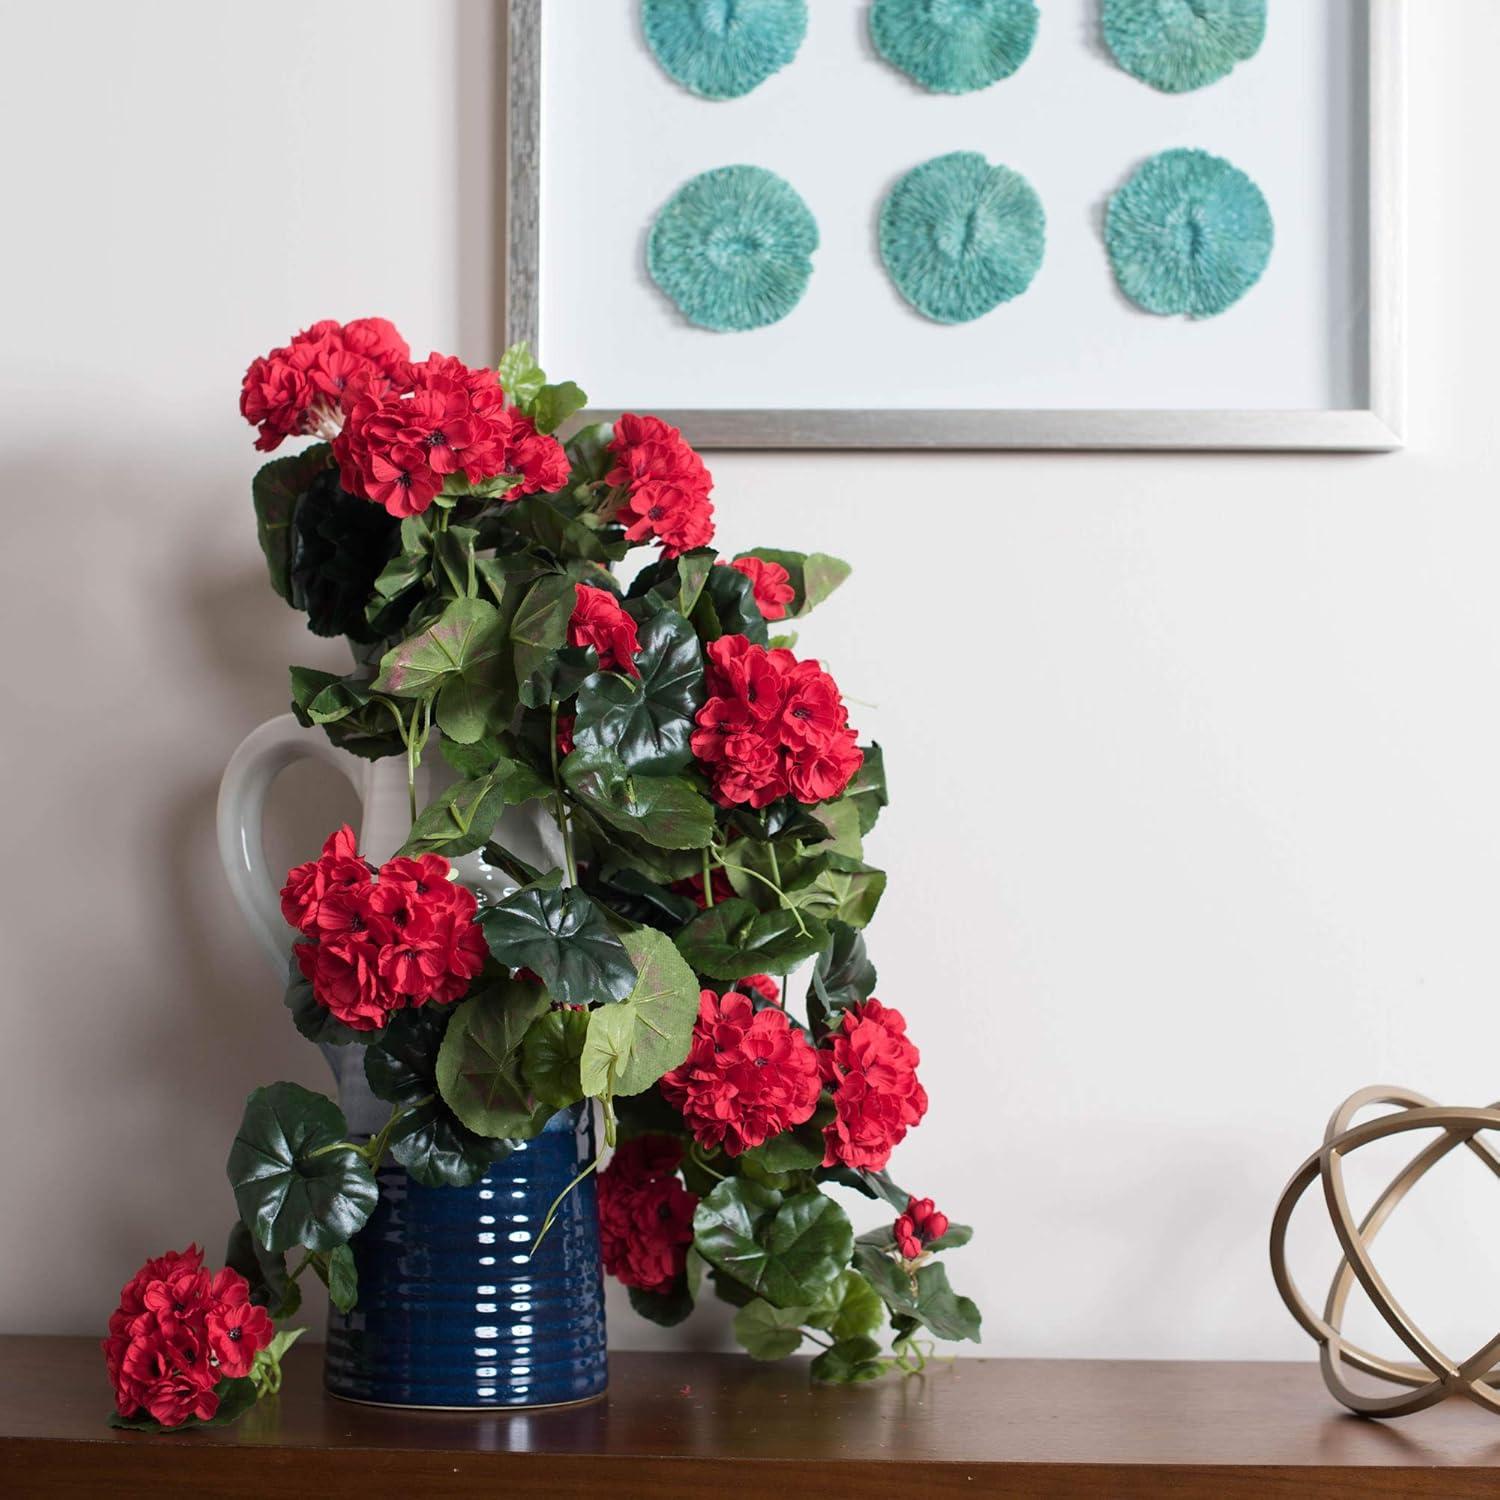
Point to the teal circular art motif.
(723, 48)
(1177, 45)
(1189, 233)
(959, 237)
(954, 46)
(733, 248)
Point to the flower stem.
(557, 1203)
(564, 823)
(781, 895)
(708, 881)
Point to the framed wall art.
(884, 224)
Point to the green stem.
(708, 880)
(557, 1203)
(781, 895)
(696, 1153)
(374, 1149)
(807, 1333)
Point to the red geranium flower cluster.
(301, 389)
(918, 1226)
(666, 486)
(772, 725)
(771, 582)
(400, 443)
(377, 945)
(872, 1069)
(749, 1075)
(691, 886)
(645, 1214)
(177, 1333)
(599, 620)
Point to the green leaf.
(665, 1308)
(479, 1063)
(727, 607)
(406, 569)
(430, 1141)
(867, 788)
(663, 810)
(350, 718)
(588, 453)
(767, 1332)
(955, 1237)
(453, 551)
(925, 1298)
(733, 939)
(316, 1022)
(791, 1251)
(294, 1182)
(563, 936)
(675, 583)
(463, 817)
(849, 1362)
(852, 1308)
(813, 576)
(630, 1045)
(843, 890)
(265, 1270)
(458, 657)
(843, 976)
(521, 376)
(275, 490)
(554, 404)
(538, 632)
(647, 722)
(550, 1051)
(796, 1150)
(343, 1278)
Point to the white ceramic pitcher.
(385, 821)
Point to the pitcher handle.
(262, 755)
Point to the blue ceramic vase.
(453, 1313)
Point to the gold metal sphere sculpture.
(1435, 1376)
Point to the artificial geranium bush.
(547, 615)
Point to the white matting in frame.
(1311, 357)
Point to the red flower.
(237, 1332)
(565, 723)
(872, 1068)
(749, 1075)
(762, 985)
(298, 390)
(918, 1226)
(399, 444)
(338, 868)
(665, 483)
(771, 582)
(772, 725)
(599, 620)
(163, 1352)
(404, 938)
(645, 1214)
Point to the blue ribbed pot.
(451, 1313)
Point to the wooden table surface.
(679, 1426)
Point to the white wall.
(1196, 760)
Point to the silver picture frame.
(1378, 426)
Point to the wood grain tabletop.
(691, 1425)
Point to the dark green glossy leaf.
(790, 1251)
(674, 583)
(796, 1150)
(588, 453)
(867, 787)
(629, 892)
(851, 1309)
(767, 1332)
(343, 1278)
(662, 810)
(564, 937)
(849, 1362)
(346, 713)
(550, 1052)
(479, 1063)
(727, 607)
(926, 1298)
(843, 976)
(430, 1141)
(647, 722)
(955, 1237)
(275, 491)
(265, 1270)
(538, 632)
(630, 1045)
(733, 939)
(665, 1308)
(294, 1183)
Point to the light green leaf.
(630, 1045)
(521, 376)
(554, 404)
(768, 1332)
